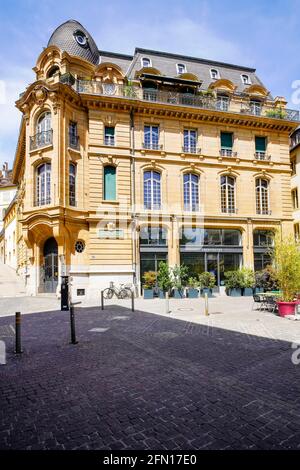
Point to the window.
(228, 194)
(72, 184)
(152, 190)
(146, 62)
(151, 137)
(260, 147)
(262, 196)
(109, 135)
(293, 166)
(245, 79)
(297, 232)
(191, 192)
(226, 144)
(79, 246)
(295, 198)
(73, 135)
(214, 73)
(43, 134)
(222, 102)
(181, 68)
(210, 237)
(80, 38)
(255, 107)
(43, 184)
(109, 182)
(153, 236)
(190, 141)
(53, 70)
(263, 238)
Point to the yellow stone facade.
(94, 220)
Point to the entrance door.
(150, 262)
(50, 268)
(212, 260)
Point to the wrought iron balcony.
(229, 210)
(263, 212)
(41, 139)
(42, 200)
(74, 141)
(109, 140)
(227, 153)
(191, 149)
(262, 156)
(203, 100)
(152, 146)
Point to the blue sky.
(260, 33)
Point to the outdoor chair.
(257, 300)
(271, 304)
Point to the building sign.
(111, 234)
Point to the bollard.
(102, 300)
(206, 304)
(72, 321)
(167, 303)
(132, 301)
(18, 349)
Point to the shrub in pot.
(164, 279)
(266, 280)
(207, 282)
(193, 291)
(234, 283)
(149, 284)
(286, 257)
(179, 279)
(248, 281)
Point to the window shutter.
(110, 183)
(226, 140)
(260, 144)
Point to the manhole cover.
(98, 330)
(185, 309)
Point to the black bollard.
(132, 301)
(102, 300)
(72, 321)
(18, 349)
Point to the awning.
(163, 79)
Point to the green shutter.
(260, 144)
(110, 183)
(226, 140)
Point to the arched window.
(109, 183)
(246, 79)
(43, 130)
(181, 68)
(214, 73)
(191, 192)
(53, 70)
(152, 190)
(72, 184)
(43, 184)
(262, 196)
(146, 62)
(228, 194)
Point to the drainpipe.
(133, 196)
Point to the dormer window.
(246, 79)
(214, 73)
(146, 62)
(80, 38)
(181, 68)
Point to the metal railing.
(74, 141)
(109, 140)
(263, 212)
(41, 139)
(191, 149)
(227, 153)
(259, 155)
(152, 146)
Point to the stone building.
(125, 160)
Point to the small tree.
(207, 280)
(248, 278)
(286, 256)
(163, 277)
(180, 275)
(149, 279)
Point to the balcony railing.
(152, 146)
(227, 153)
(41, 139)
(74, 141)
(191, 149)
(202, 101)
(229, 210)
(109, 140)
(262, 156)
(263, 212)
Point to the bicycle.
(121, 292)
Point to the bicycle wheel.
(123, 294)
(108, 293)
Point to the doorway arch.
(49, 270)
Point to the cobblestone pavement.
(144, 381)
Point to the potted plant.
(149, 284)
(192, 291)
(266, 280)
(207, 281)
(234, 283)
(286, 256)
(179, 277)
(163, 279)
(248, 281)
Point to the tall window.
(255, 107)
(43, 184)
(191, 192)
(262, 196)
(227, 194)
(260, 147)
(190, 141)
(109, 135)
(226, 144)
(152, 190)
(293, 166)
(295, 198)
(109, 182)
(223, 102)
(73, 135)
(43, 134)
(151, 137)
(72, 184)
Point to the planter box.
(148, 293)
(177, 294)
(207, 291)
(286, 308)
(193, 293)
(235, 292)
(161, 294)
(258, 290)
(247, 292)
